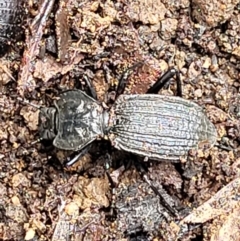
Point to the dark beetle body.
(11, 17)
(155, 126)
(77, 121)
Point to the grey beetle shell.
(155, 126)
(12, 14)
(159, 127)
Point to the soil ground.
(40, 199)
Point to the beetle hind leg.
(161, 193)
(164, 79)
(159, 84)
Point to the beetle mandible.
(155, 126)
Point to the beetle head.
(47, 123)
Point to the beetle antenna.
(29, 103)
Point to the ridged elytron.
(152, 125)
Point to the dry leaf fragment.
(224, 201)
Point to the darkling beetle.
(155, 126)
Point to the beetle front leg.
(78, 156)
(164, 79)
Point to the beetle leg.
(79, 155)
(161, 193)
(164, 79)
(124, 78)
